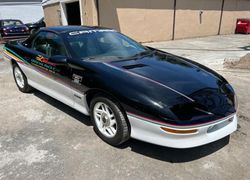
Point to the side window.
(39, 43)
(48, 43)
(55, 45)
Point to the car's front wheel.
(109, 121)
(20, 79)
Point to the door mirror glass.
(58, 59)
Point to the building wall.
(52, 14)
(196, 18)
(234, 9)
(147, 20)
(143, 20)
(89, 9)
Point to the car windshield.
(103, 45)
(11, 23)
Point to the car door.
(50, 78)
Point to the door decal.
(77, 79)
(44, 63)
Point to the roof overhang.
(49, 2)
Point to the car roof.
(66, 29)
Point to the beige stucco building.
(151, 20)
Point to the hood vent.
(134, 66)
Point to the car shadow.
(150, 150)
(174, 155)
(246, 48)
(64, 108)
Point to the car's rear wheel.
(20, 79)
(109, 121)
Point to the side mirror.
(58, 59)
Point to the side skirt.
(79, 106)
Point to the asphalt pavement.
(41, 138)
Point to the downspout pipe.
(174, 15)
(221, 16)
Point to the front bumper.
(153, 132)
(6, 34)
(15, 35)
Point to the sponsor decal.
(76, 78)
(12, 55)
(44, 65)
(42, 59)
(39, 60)
(73, 33)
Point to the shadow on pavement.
(175, 155)
(199, 49)
(150, 150)
(64, 108)
(246, 48)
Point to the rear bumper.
(5, 39)
(243, 30)
(153, 133)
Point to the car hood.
(164, 86)
(203, 92)
(174, 72)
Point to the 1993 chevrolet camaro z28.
(127, 89)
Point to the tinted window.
(39, 43)
(98, 45)
(49, 44)
(55, 45)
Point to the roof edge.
(49, 2)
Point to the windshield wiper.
(89, 58)
(136, 56)
(142, 54)
(101, 58)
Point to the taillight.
(241, 23)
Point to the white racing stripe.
(151, 80)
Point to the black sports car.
(35, 26)
(128, 90)
(10, 28)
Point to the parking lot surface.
(210, 51)
(41, 138)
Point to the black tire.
(122, 132)
(33, 31)
(26, 88)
